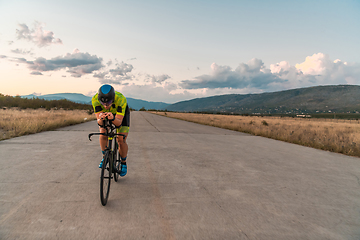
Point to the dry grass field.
(15, 122)
(341, 136)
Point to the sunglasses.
(106, 103)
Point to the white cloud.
(76, 63)
(21, 51)
(152, 92)
(91, 93)
(158, 79)
(122, 69)
(117, 75)
(250, 77)
(317, 69)
(100, 75)
(316, 64)
(37, 35)
(253, 75)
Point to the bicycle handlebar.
(108, 135)
(106, 125)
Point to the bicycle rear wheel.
(105, 178)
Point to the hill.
(136, 104)
(7, 101)
(320, 99)
(74, 97)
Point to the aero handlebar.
(109, 130)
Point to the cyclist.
(113, 105)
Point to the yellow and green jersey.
(118, 106)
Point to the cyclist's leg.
(124, 129)
(123, 147)
(103, 143)
(103, 139)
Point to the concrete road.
(185, 181)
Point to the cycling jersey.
(118, 107)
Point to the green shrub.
(35, 103)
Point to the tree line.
(7, 101)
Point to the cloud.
(21, 51)
(38, 36)
(317, 69)
(84, 69)
(21, 60)
(36, 73)
(91, 93)
(76, 63)
(252, 74)
(316, 64)
(3, 56)
(121, 69)
(158, 79)
(100, 75)
(109, 80)
(117, 75)
(152, 92)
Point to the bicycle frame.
(110, 151)
(109, 158)
(110, 133)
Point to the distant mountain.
(341, 98)
(74, 97)
(80, 98)
(137, 104)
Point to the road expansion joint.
(151, 123)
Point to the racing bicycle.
(111, 163)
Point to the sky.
(170, 51)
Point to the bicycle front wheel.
(116, 160)
(105, 179)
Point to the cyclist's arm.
(100, 116)
(120, 111)
(116, 121)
